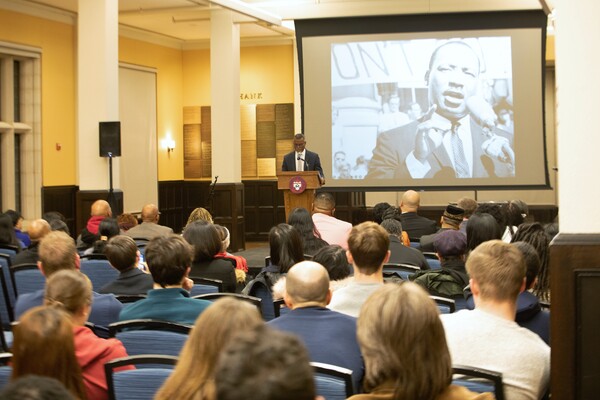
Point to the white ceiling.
(188, 21)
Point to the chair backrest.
(216, 284)
(7, 294)
(333, 382)
(130, 298)
(94, 256)
(141, 383)
(430, 255)
(445, 305)
(99, 271)
(255, 301)
(267, 261)
(5, 373)
(434, 263)
(260, 290)
(27, 278)
(9, 249)
(403, 270)
(147, 336)
(280, 308)
(415, 244)
(479, 380)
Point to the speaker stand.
(111, 193)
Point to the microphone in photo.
(495, 146)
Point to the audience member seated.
(108, 228)
(469, 206)
(451, 279)
(149, 228)
(124, 256)
(334, 259)
(241, 266)
(534, 234)
(332, 230)
(169, 259)
(394, 213)
(285, 250)
(496, 210)
(264, 364)
(378, 210)
(100, 209)
(300, 219)
(34, 387)
(450, 220)
(17, 221)
(414, 224)
(206, 241)
(488, 336)
(126, 221)
(7, 232)
(515, 212)
(402, 342)
(71, 291)
(193, 377)
(57, 252)
(368, 250)
(399, 253)
(57, 221)
(481, 228)
(329, 336)
(199, 214)
(44, 345)
(38, 228)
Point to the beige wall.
(57, 41)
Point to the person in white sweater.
(488, 337)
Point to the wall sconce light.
(168, 143)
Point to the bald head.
(101, 208)
(410, 201)
(307, 284)
(150, 213)
(324, 203)
(38, 228)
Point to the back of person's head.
(333, 258)
(54, 215)
(403, 342)
(213, 330)
(324, 202)
(481, 228)
(35, 387)
(392, 226)
(224, 236)
(205, 238)
(392, 213)
(534, 234)
(285, 247)
(532, 261)
(300, 219)
(107, 229)
(69, 290)
(264, 364)
(150, 213)
(467, 204)
(15, 216)
(126, 221)
(44, 345)
(7, 230)
(410, 201)
(450, 244)
(168, 258)
(61, 226)
(199, 214)
(453, 216)
(515, 212)
(101, 208)
(57, 251)
(121, 252)
(307, 282)
(378, 210)
(499, 270)
(368, 244)
(38, 228)
(496, 210)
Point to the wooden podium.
(292, 200)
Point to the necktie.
(461, 167)
(299, 163)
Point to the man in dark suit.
(447, 142)
(399, 253)
(412, 223)
(123, 255)
(301, 159)
(451, 219)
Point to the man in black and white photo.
(456, 137)
(301, 159)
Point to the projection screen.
(426, 101)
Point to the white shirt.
(302, 155)
(418, 169)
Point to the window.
(20, 129)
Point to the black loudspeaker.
(110, 139)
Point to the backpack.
(442, 282)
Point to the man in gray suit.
(149, 228)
